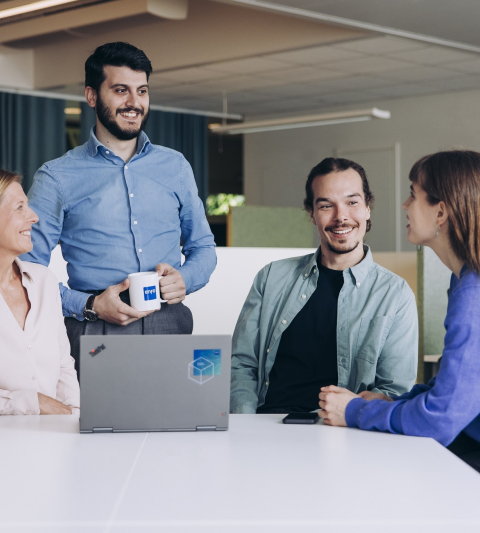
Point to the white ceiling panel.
(316, 56)
(370, 64)
(242, 83)
(246, 66)
(190, 75)
(380, 45)
(472, 67)
(424, 74)
(434, 55)
(457, 83)
(303, 74)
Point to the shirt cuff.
(187, 278)
(25, 402)
(73, 303)
(353, 410)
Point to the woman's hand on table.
(368, 395)
(333, 402)
(50, 406)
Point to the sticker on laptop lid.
(205, 366)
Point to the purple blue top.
(450, 403)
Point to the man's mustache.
(127, 110)
(341, 226)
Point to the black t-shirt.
(307, 356)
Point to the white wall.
(277, 163)
(16, 68)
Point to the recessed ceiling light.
(35, 6)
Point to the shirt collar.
(359, 271)
(93, 144)
(23, 267)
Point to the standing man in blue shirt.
(333, 317)
(118, 205)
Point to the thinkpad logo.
(97, 350)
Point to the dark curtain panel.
(32, 131)
(185, 133)
(87, 121)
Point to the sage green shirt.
(377, 328)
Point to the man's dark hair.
(116, 55)
(336, 164)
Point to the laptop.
(154, 383)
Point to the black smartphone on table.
(301, 418)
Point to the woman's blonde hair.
(7, 178)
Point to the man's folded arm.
(245, 350)
(397, 364)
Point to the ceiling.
(361, 71)
(311, 79)
(445, 19)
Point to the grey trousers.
(170, 320)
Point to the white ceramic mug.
(144, 291)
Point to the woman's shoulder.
(37, 272)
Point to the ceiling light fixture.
(28, 8)
(325, 119)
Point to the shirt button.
(268, 350)
(358, 284)
(304, 296)
(126, 167)
(74, 315)
(140, 250)
(107, 152)
(29, 347)
(135, 222)
(33, 378)
(306, 275)
(284, 321)
(131, 195)
(314, 270)
(266, 383)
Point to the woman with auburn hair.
(37, 374)
(443, 211)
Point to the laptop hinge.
(102, 430)
(206, 428)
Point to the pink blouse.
(36, 359)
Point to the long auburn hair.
(453, 177)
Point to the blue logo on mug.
(150, 293)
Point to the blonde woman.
(37, 374)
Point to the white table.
(260, 476)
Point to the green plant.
(219, 204)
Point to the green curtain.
(185, 133)
(32, 131)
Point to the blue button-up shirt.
(377, 328)
(114, 218)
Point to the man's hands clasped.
(109, 306)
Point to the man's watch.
(89, 313)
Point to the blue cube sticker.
(150, 293)
(207, 361)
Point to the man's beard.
(107, 120)
(341, 251)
